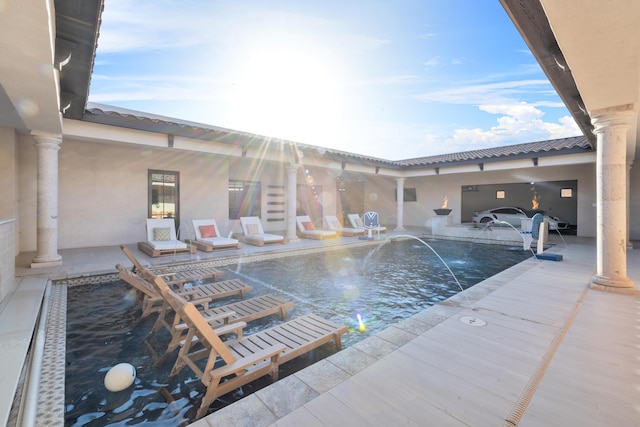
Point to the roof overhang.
(590, 51)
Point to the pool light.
(361, 325)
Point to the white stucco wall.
(103, 190)
(431, 191)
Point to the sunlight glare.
(290, 94)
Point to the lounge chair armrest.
(233, 328)
(188, 292)
(226, 329)
(247, 362)
(165, 274)
(224, 318)
(203, 301)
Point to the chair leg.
(177, 367)
(208, 398)
(174, 343)
(338, 341)
(275, 369)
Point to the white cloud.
(432, 62)
(515, 124)
(490, 93)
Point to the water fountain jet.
(390, 238)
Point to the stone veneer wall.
(7, 257)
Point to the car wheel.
(485, 220)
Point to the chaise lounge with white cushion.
(307, 230)
(334, 224)
(162, 239)
(208, 237)
(254, 233)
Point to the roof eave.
(532, 23)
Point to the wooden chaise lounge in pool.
(247, 358)
(179, 277)
(152, 301)
(226, 319)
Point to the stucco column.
(48, 145)
(292, 171)
(611, 126)
(400, 203)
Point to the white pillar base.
(42, 264)
(620, 286)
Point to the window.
(500, 194)
(566, 193)
(163, 194)
(244, 199)
(408, 195)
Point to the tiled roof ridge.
(574, 142)
(111, 111)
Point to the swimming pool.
(383, 285)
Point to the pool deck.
(536, 347)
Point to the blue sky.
(390, 79)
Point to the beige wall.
(103, 190)
(432, 190)
(379, 196)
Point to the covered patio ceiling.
(47, 60)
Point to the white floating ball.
(120, 377)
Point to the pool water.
(381, 286)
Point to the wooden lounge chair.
(219, 317)
(162, 239)
(152, 301)
(247, 358)
(208, 237)
(307, 230)
(178, 278)
(335, 225)
(254, 233)
(243, 360)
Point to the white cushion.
(168, 244)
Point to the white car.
(513, 215)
